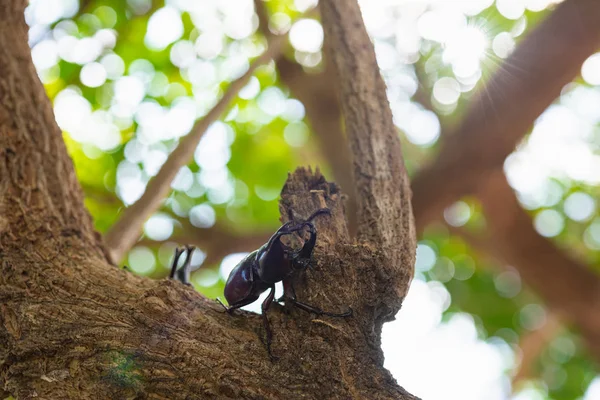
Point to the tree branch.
(532, 345)
(123, 234)
(382, 187)
(533, 75)
(40, 194)
(73, 326)
(528, 82)
(83, 328)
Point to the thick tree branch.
(525, 85)
(73, 326)
(528, 82)
(40, 193)
(123, 235)
(84, 328)
(382, 187)
(543, 63)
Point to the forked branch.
(72, 326)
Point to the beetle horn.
(318, 212)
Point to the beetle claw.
(267, 344)
(318, 212)
(228, 310)
(346, 314)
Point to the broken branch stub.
(346, 273)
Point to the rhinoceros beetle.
(260, 270)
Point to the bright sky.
(430, 358)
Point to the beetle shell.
(273, 265)
(240, 281)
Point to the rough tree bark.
(73, 326)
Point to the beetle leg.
(229, 309)
(289, 294)
(182, 274)
(288, 290)
(269, 333)
(301, 258)
(320, 211)
(178, 253)
(185, 269)
(318, 311)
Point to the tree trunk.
(73, 326)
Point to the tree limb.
(532, 345)
(529, 80)
(73, 326)
(534, 74)
(85, 329)
(40, 194)
(382, 188)
(502, 113)
(126, 231)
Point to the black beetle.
(260, 270)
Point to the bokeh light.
(433, 347)
(164, 27)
